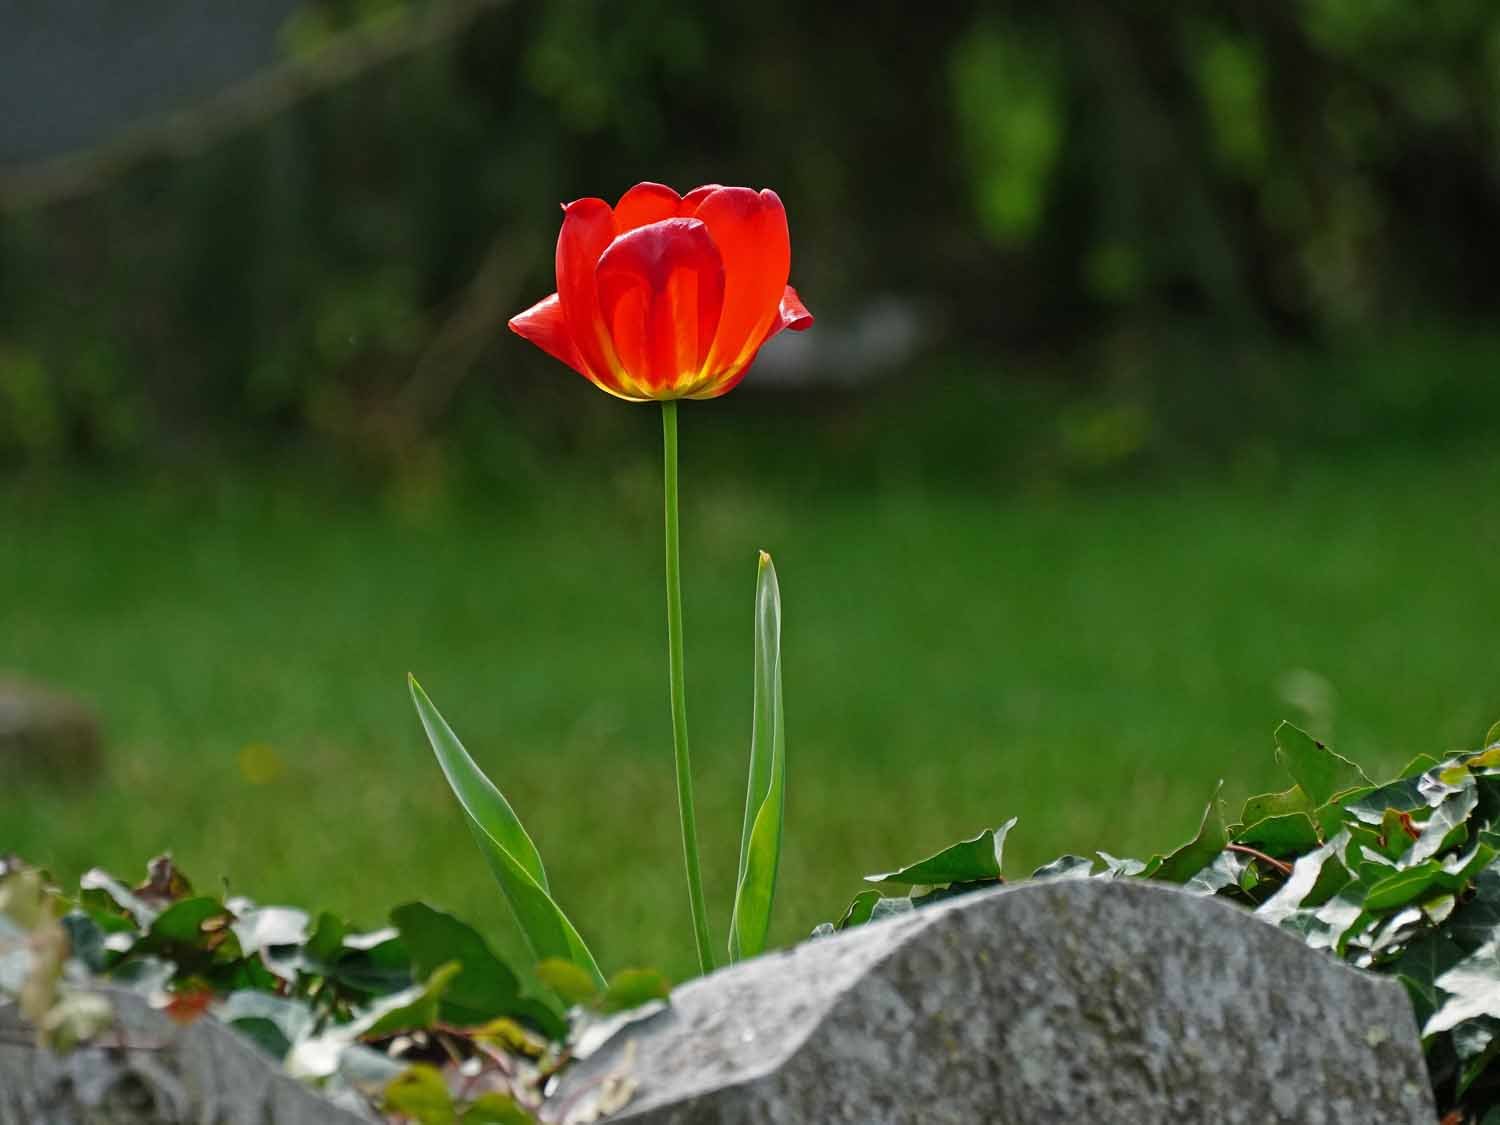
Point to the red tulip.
(668, 296)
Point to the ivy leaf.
(1417, 766)
(100, 888)
(86, 938)
(1477, 920)
(270, 926)
(1117, 868)
(1319, 868)
(1404, 795)
(375, 964)
(326, 941)
(1211, 839)
(891, 908)
(181, 924)
(484, 988)
(1065, 867)
(512, 856)
(1405, 885)
(411, 1009)
(1473, 986)
(414, 1009)
(927, 896)
(1448, 824)
(276, 933)
(420, 1094)
(568, 980)
(1317, 770)
(630, 988)
(1285, 803)
(765, 792)
(1224, 871)
(1475, 1067)
(1396, 929)
(1283, 834)
(164, 884)
(495, 1109)
(965, 862)
(274, 1022)
(1342, 919)
(1419, 967)
(859, 910)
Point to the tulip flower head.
(666, 296)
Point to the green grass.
(1092, 662)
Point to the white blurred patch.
(1313, 696)
(884, 334)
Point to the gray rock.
(1065, 1001)
(45, 734)
(153, 1072)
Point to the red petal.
(587, 230)
(794, 314)
(691, 200)
(749, 228)
(544, 325)
(645, 203)
(661, 289)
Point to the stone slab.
(1078, 1000)
(152, 1072)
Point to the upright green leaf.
(765, 796)
(484, 803)
(1318, 771)
(512, 856)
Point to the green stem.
(679, 697)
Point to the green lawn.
(1092, 662)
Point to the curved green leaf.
(485, 804)
(968, 861)
(486, 989)
(513, 858)
(765, 795)
(1211, 839)
(567, 980)
(631, 988)
(1317, 770)
(860, 909)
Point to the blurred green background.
(1153, 399)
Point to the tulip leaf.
(765, 797)
(513, 858)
